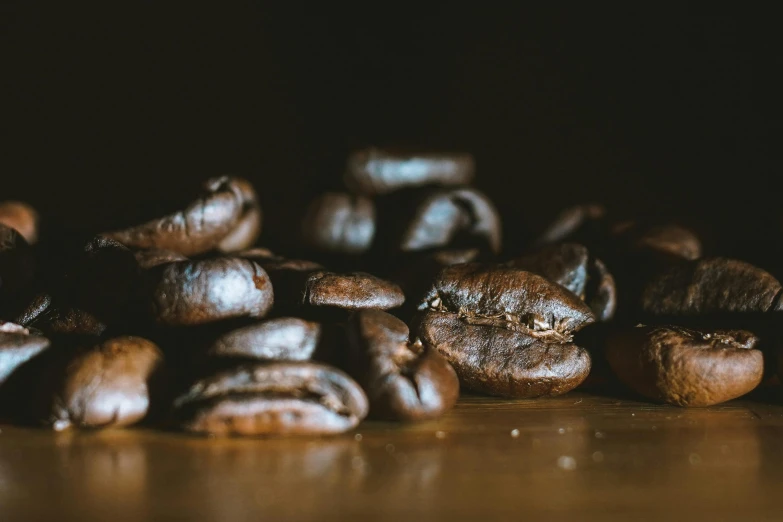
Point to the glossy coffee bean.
(106, 385)
(570, 265)
(21, 217)
(505, 331)
(339, 223)
(17, 346)
(686, 367)
(711, 285)
(453, 217)
(404, 379)
(203, 291)
(285, 398)
(673, 240)
(417, 270)
(375, 171)
(248, 227)
(204, 225)
(280, 339)
(154, 257)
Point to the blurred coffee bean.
(668, 239)
(284, 398)
(404, 379)
(106, 385)
(686, 367)
(505, 331)
(580, 223)
(154, 257)
(17, 346)
(280, 339)
(339, 223)
(223, 209)
(21, 217)
(203, 291)
(374, 171)
(17, 264)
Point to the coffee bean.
(454, 218)
(375, 171)
(21, 217)
(711, 285)
(580, 223)
(404, 379)
(17, 346)
(286, 398)
(281, 339)
(570, 265)
(203, 291)
(339, 223)
(505, 331)
(686, 367)
(225, 208)
(668, 239)
(106, 385)
(60, 318)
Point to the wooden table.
(578, 457)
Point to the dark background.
(657, 110)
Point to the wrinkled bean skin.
(339, 223)
(283, 398)
(686, 367)
(711, 285)
(446, 216)
(204, 291)
(404, 380)
(200, 227)
(21, 217)
(375, 172)
(280, 339)
(106, 386)
(17, 346)
(505, 331)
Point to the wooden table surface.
(577, 457)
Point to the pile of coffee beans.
(398, 296)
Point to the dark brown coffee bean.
(281, 339)
(353, 291)
(417, 270)
(711, 285)
(375, 171)
(404, 379)
(292, 398)
(154, 257)
(686, 367)
(16, 263)
(21, 217)
(505, 331)
(670, 239)
(106, 386)
(204, 291)
(570, 265)
(17, 346)
(200, 227)
(580, 223)
(453, 217)
(339, 223)
(55, 319)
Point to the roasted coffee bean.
(570, 265)
(505, 331)
(206, 223)
(106, 386)
(417, 270)
(281, 339)
(339, 223)
(404, 379)
(16, 263)
(374, 171)
(203, 291)
(580, 223)
(17, 346)
(686, 367)
(287, 398)
(711, 285)
(669, 239)
(154, 257)
(53, 318)
(453, 217)
(21, 217)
